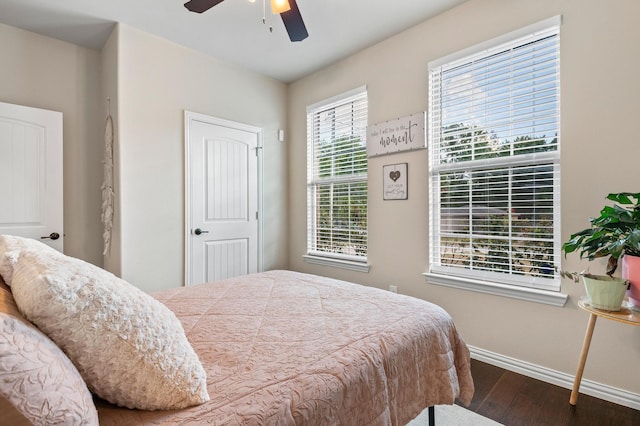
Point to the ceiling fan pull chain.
(264, 15)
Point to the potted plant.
(604, 292)
(614, 234)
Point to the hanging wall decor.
(401, 134)
(394, 182)
(107, 185)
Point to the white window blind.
(494, 153)
(337, 177)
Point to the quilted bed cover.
(285, 348)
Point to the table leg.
(583, 359)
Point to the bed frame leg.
(432, 416)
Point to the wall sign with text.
(401, 134)
(394, 182)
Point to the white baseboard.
(587, 387)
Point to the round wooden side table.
(625, 315)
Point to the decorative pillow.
(129, 347)
(10, 248)
(36, 377)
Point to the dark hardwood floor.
(513, 400)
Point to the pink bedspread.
(284, 348)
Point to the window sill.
(337, 263)
(529, 294)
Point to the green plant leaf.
(624, 197)
(617, 248)
(632, 245)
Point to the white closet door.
(31, 203)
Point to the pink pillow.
(36, 377)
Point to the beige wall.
(157, 81)
(600, 98)
(45, 73)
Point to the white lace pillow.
(10, 248)
(130, 348)
(37, 378)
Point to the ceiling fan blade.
(293, 22)
(200, 6)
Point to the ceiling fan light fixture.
(280, 6)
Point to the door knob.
(51, 236)
(199, 231)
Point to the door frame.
(189, 117)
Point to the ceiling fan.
(291, 17)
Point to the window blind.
(337, 177)
(495, 162)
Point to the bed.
(285, 348)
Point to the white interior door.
(222, 233)
(31, 173)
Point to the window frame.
(510, 285)
(312, 255)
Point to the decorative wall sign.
(394, 181)
(401, 134)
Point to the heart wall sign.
(394, 181)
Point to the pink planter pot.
(631, 272)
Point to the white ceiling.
(233, 30)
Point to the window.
(494, 157)
(337, 180)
